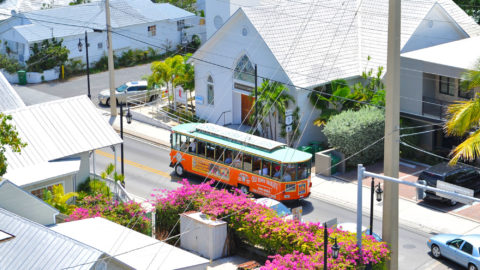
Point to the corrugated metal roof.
(47, 23)
(135, 249)
(37, 247)
(26, 5)
(22, 203)
(9, 99)
(318, 41)
(59, 129)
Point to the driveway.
(78, 85)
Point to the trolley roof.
(243, 141)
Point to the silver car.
(462, 249)
(133, 91)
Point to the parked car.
(463, 250)
(282, 210)
(352, 227)
(135, 92)
(460, 175)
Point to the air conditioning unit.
(201, 235)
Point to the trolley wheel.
(244, 189)
(179, 170)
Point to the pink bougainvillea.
(292, 244)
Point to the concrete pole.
(392, 124)
(111, 67)
(360, 170)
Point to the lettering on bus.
(267, 182)
(243, 177)
(206, 167)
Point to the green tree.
(186, 77)
(272, 98)
(337, 95)
(78, 2)
(8, 137)
(47, 55)
(188, 5)
(164, 73)
(58, 199)
(471, 7)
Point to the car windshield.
(122, 88)
(281, 210)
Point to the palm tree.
(272, 98)
(186, 78)
(165, 72)
(58, 199)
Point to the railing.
(222, 114)
(434, 107)
(116, 188)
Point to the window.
(289, 172)
(237, 159)
(463, 92)
(456, 243)
(219, 153)
(210, 91)
(276, 170)
(210, 150)
(228, 156)
(100, 45)
(467, 248)
(244, 71)
(152, 30)
(180, 25)
(39, 192)
(201, 148)
(247, 163)
(257, 165)
(446, 85)
(183, 143)
(303, 170)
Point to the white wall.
(437, 28)
(411, 86)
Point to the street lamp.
(129, 120)
(80, 46)
(335, 247)
(379, 192)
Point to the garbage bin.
(316, 146)
(22, 77)
(335, 161)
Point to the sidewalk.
(341, 193)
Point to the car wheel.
(108, 102)
(452, 202)
(472, 267)
(244, 189)
(436, 251)
(179, 170)
(152, 98)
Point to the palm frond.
(468, 150)
(462, 116)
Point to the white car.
(282, 210)
(135, 91)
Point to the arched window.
(244, 70)
(210, 92)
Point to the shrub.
(93, 187)
(9, 65)
(74, 67)
(351, 131)
(293, 244)
(129, 214)
(47, 55)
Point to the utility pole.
(113, 98)
(392, 132)
(256, 107)
(88, 66)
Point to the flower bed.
(129, 214)
(291, 243)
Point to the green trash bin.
(22, 77)
(335, 161)
(305, 148)
(316, 146)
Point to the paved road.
(146, 168)
(78, 85)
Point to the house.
(25, 244)
(130, 247)
(6, 7)
(136, 24)
(60, 137)
(307, 44)
(17, 201)
(430, 83)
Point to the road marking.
(135, 164)
(154, 144)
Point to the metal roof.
(279, 154)
(76, 19)
(315, 42)
(9, 99)
(238, 136)
(59, 129)
(22, 203)
(37, 247)
(135, 249)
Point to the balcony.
(434, 108)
